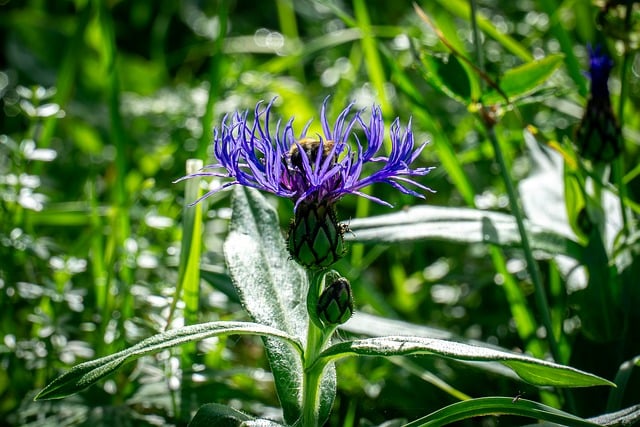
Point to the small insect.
(518, 396)
(310, 147)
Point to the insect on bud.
(335, 305)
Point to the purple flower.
(314, 170)
(598, 134)
(600, 66)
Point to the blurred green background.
(104, 101)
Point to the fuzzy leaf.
(534, 371)
(462, 225)
(498, 406)
(86, 374)
(216, 415)
(273, 289)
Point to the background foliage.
(104, 102)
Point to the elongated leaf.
(460, 225)
(534, 371)
(498, 406)
(625, 417)
(371, 325)
(448, 76)
(216, 415)
(543, 188)
(622, 380)
(273, 290)
(522, 80)
(86, 374)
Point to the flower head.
(318, 169)
(313, 171)
(598, 135)
(600, 66)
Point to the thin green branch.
(532, 266)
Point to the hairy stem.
(316, 339)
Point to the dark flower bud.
(598, 135)
(315, 237)
(335, 305)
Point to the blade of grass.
(550, 7)
(66, 81)
(121, 224)
(118, 218)
(462, 9)
(497, 406)
(526, 324)
(189, 281)
(372, 57)
(289, 27)
(216, 67)
(427, 376)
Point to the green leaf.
(498, 406)
(462, 225)
(597, 304)
(624, 417)
(534, 371)
(86, 374)
(216, 415)
(575, 203)
(523, 80)
(622, 380)
(273, 290)
(446, 74)
(372, 325)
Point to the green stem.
(618, 164)
(540, 294)
(317, 337)
(532, 266)
(312, 376)
(618, 175)
(476, 37)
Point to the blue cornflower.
(598, 135)
(314, 172)
(307, 169)
(600, 66)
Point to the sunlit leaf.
(273, 289)
(86, 374)
(534, 371)
(216, 415)
(460, 225)
(522, 80)
(498, 406)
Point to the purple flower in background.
(598, 135)
(600, 66)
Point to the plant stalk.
(540, 295)
(532, 266)
(315, 341)
(318, 335)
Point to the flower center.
(310, 147)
